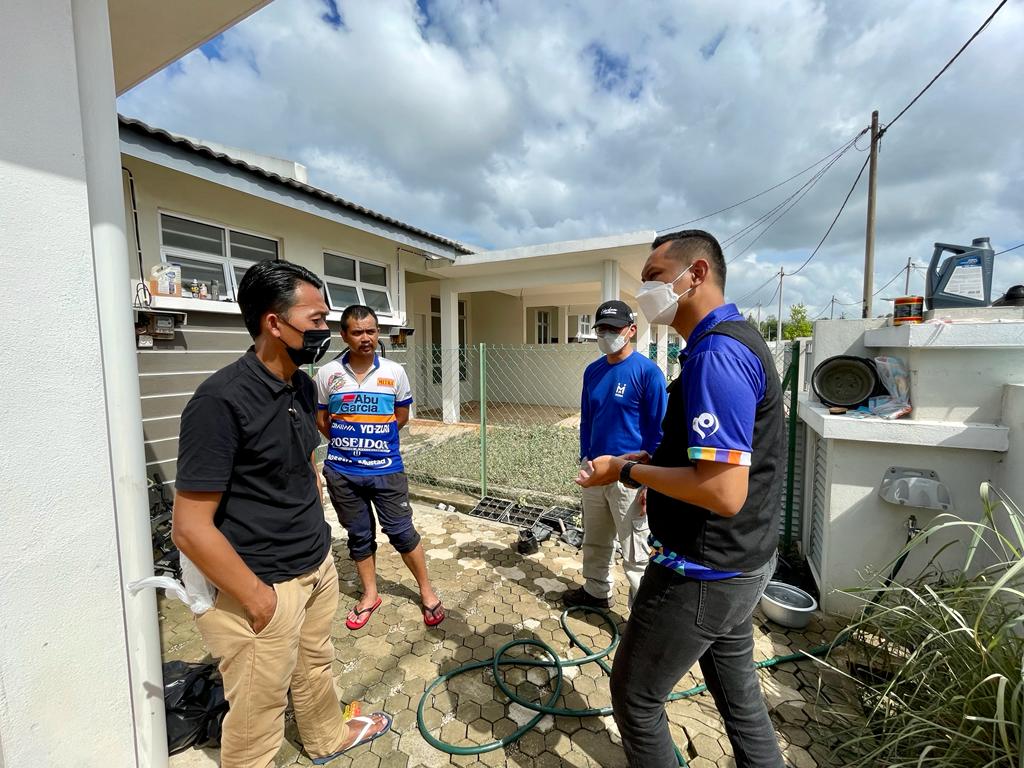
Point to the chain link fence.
(505, 422)
(506, 425)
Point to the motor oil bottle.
(965, 277)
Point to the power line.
(891, 281)
(830, 226)
(799, 195)
(751, 293)
(943, 70)
(843, 148)
(1007, 250)
(892, 122)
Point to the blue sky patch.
(214, 49)
(332, 15)
(711, 46)
(610, 70)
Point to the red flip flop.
(433, 616)
(362, 616)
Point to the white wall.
(302, 237)
(865, 533)
(64, 675)
(976, 384)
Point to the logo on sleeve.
(705, 425)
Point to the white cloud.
(507, 123)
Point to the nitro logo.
(705, 425)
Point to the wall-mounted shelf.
(937, 434)
(995, 334)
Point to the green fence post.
(792, 376)
(483, 420)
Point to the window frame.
(542, 323)
(227, 263)
(358, 284)
(584, 328)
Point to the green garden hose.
(559, 664)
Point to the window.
(354, 281)
(210, 254)
(584, 326)
(543, 326)
(435, 340)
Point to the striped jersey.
(363, 436)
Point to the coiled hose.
(553, 661)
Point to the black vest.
(747, 540)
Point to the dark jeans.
(675, 622)
(356, 497)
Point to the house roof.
(179, 141)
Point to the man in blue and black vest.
(713, 488)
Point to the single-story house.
(213, 211)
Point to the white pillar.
(610, 280)
(563, 325)
(449, 353)
(80, 660)
(663, 349)
(643, 335)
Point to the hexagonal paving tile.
(389, 663)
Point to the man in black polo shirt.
(713, 506)
(248, 513)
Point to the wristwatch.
(624, 477)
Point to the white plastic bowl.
(788, 605)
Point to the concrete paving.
(493, 595)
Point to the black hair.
(359, 312)
(269, 286)
(689, 244)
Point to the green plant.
(937, 659)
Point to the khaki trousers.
(293, 651)
(612, 512)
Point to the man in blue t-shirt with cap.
(622, 407)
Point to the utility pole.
(906, 285)
(778, 334)
(759, 319)
(869, 240)
(832, 309)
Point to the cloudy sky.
(512, 122)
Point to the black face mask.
(315, 343)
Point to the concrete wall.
(865, 532)
(1008, 476)
(65, 688)
(974, 384)
(497, 318)
(960, 384)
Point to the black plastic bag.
(194, 704)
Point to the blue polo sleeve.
(723, 388)
(652, 408)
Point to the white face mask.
(609, 343)
(658, 301)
